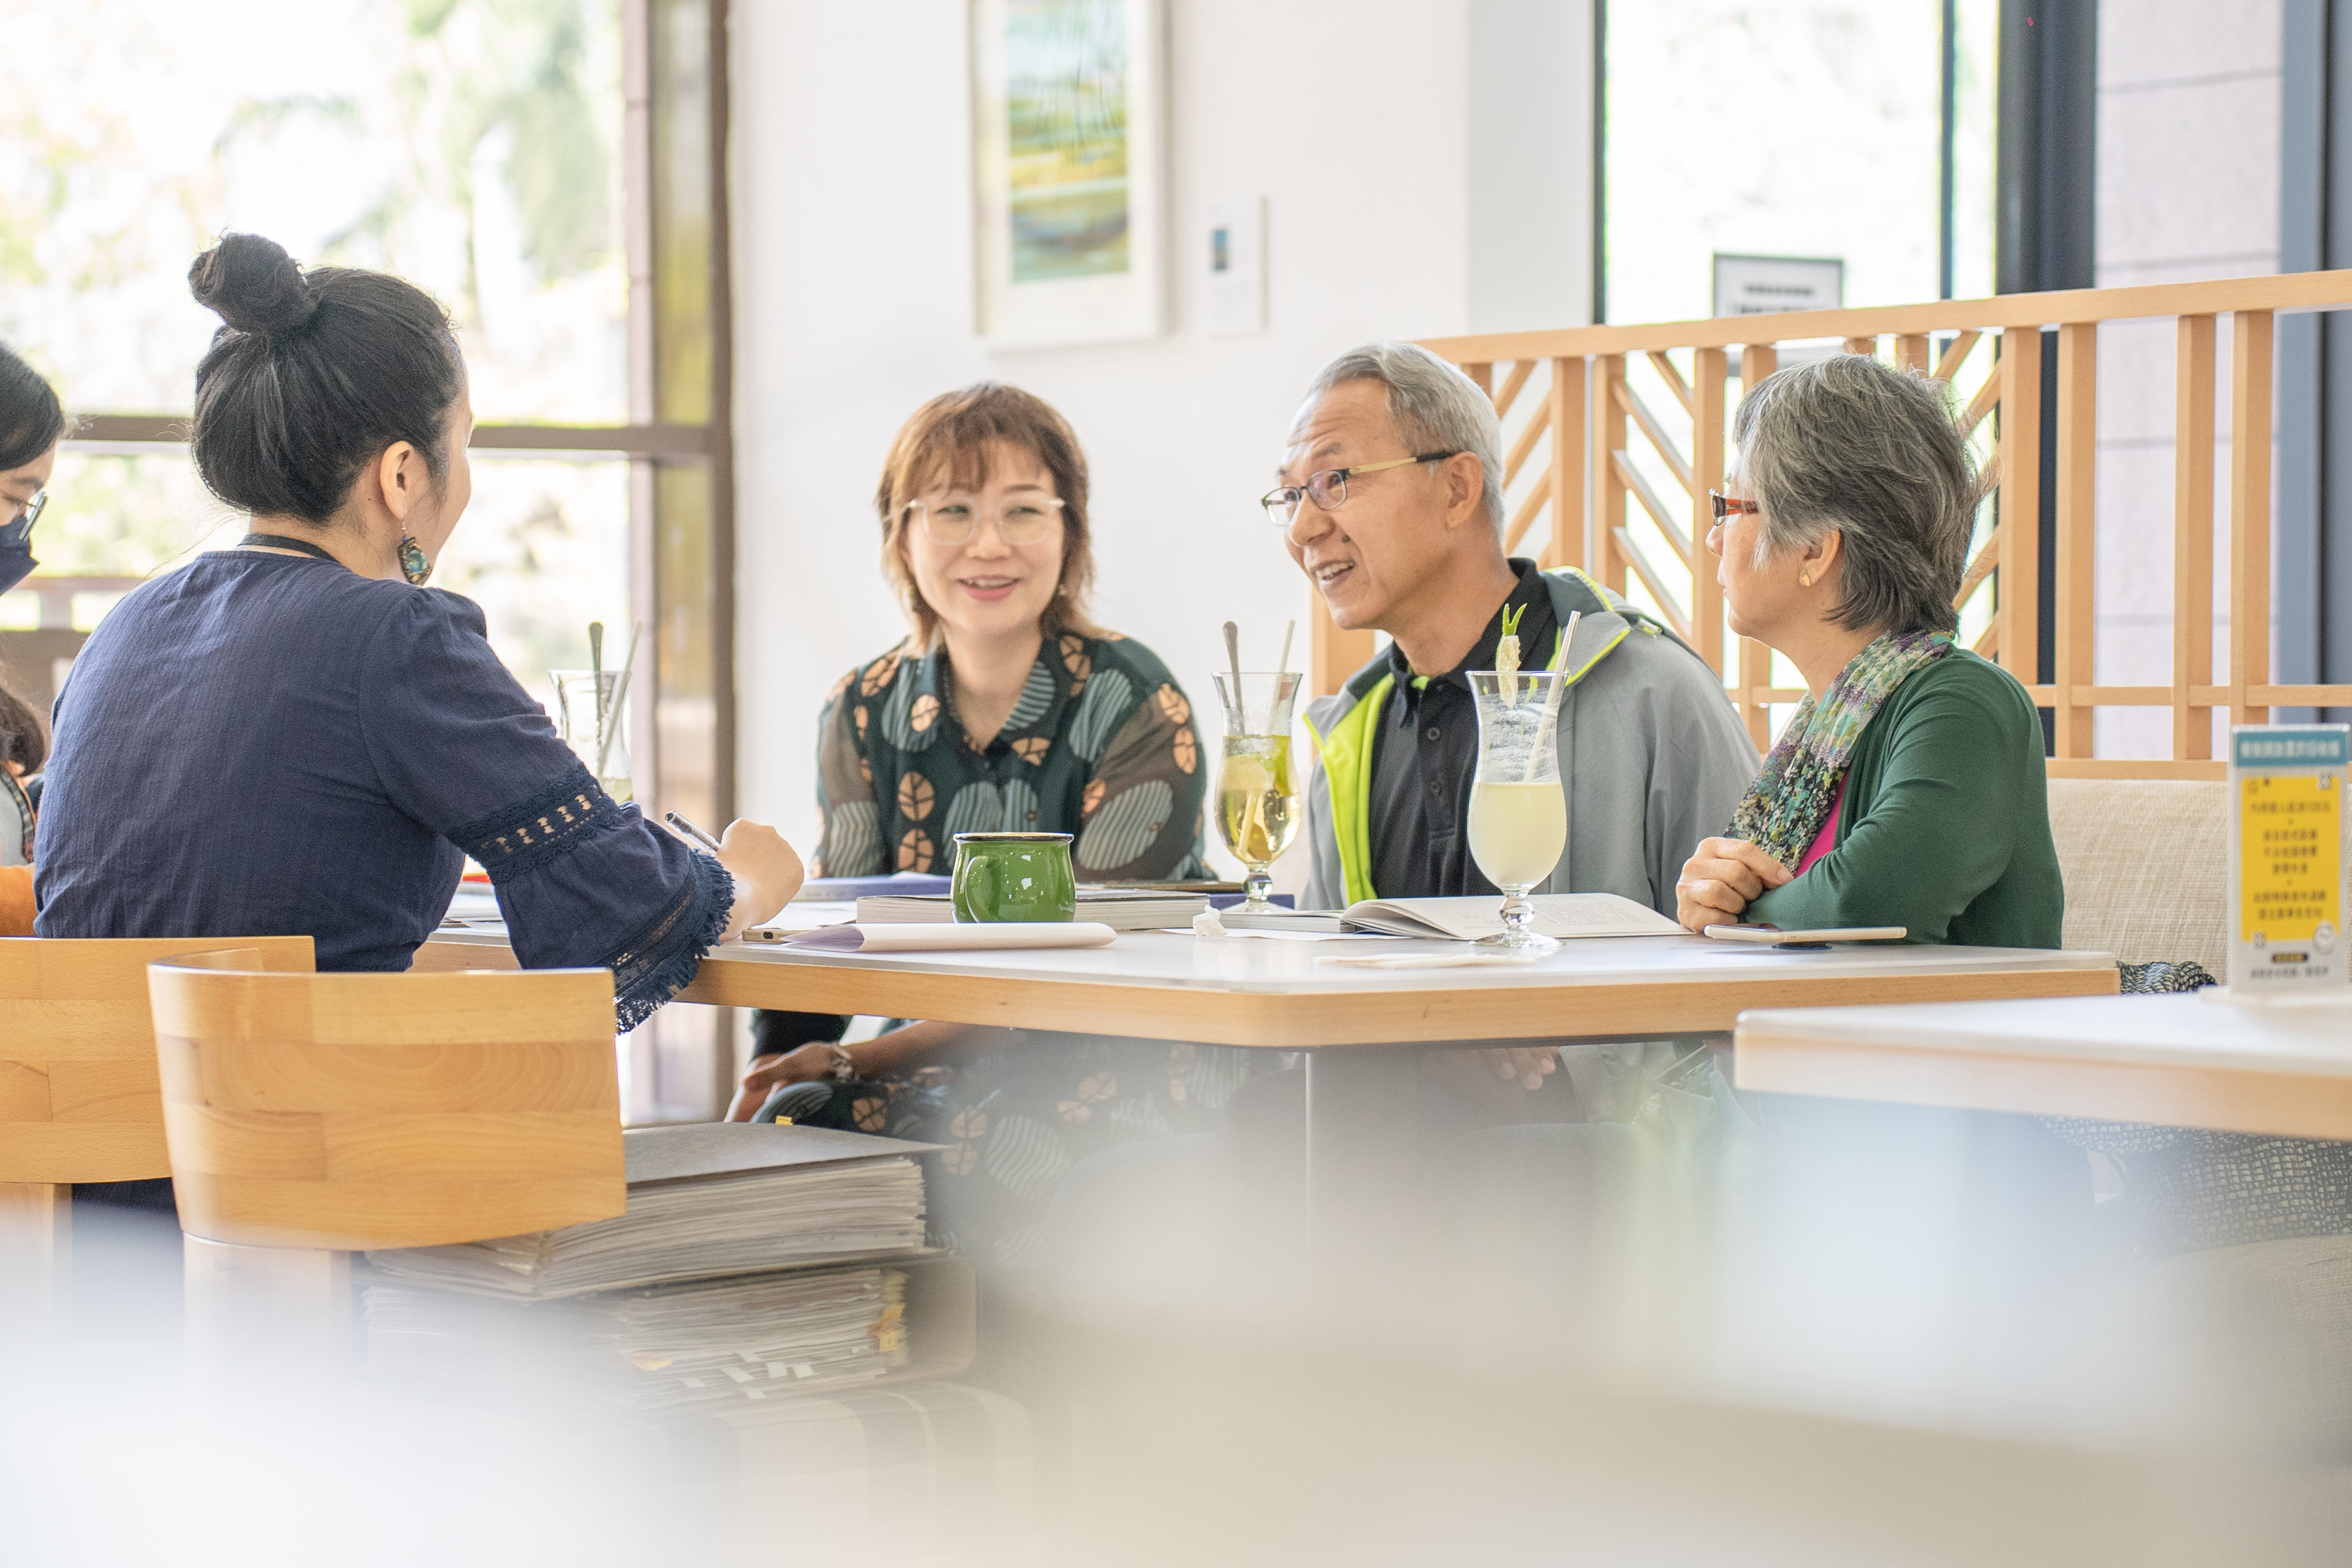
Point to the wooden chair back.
(79, 1100)
(348, 1111)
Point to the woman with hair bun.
(296, 736)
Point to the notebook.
(1121, 909)
(704, 1200)
(1562, 915)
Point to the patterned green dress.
(1102, 746)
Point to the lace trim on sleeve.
(660, 960)
(529, 834)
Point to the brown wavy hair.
(951, 433)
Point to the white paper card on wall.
(1771, 285)
(2290, 856)
(1233, 261)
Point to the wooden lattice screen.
(1570, 400)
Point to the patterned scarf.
(1783, 810)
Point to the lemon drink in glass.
(1519, 814)
(1258, 804)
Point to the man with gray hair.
(1390, 499)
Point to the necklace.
(281, 541)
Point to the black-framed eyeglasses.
(1329, 489)
(1725, 506)
(32, 512)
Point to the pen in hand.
(692, 831)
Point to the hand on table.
(1722, 880)
(803, 1065)
(767, 874)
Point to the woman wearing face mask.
(297, 737)
(1007, 710)
(31, 423)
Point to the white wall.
(2188, 188)
(852, 269)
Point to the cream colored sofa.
(2147, 863)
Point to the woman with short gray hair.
(1909, 790)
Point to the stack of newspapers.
(755, 1261)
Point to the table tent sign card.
(2289, 856)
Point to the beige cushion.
(2147, 863)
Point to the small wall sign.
(2289, 858)
(1771, 285)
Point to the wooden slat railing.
(1578, 416)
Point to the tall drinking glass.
(590, 722)
(1518, 818)
(1258, 808)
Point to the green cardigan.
(1946, 825)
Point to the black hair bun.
(253, 284)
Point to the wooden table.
(1274, 994)
(2187, 1060)
(1171, 986)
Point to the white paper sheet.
(931, 937)
(1315, 936)
(1436, 960)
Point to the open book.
(1562, 915)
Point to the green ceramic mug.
(1015, 876)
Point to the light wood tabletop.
(2189, 1060)
(1250, 991)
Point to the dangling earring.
(413, 564)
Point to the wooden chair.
(79, 1100)
(309, 1117)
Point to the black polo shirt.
(1425, 757)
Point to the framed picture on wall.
(1069, 182)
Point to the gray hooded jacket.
(1652, 753)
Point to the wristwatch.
(844, 1069)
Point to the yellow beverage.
(1517, 831)
(621, 788)
(1257, 802)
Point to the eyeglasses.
(1725, 506)
(32, 512)
(957, 519)
(1330, 488)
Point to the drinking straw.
(1234, 709)
(1282, 665)
(596, 676)
(620, 691)
(1550, 725)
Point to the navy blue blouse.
(265, 744)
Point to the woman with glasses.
(1006, 710)
(31, 422)
(1909, 789)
